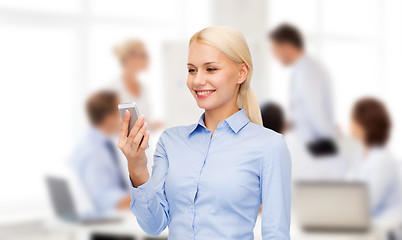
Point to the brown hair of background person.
(100, 105)
(372, 116)
(287, 33)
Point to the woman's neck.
(215, 116)
(129, 77)
(131, 83)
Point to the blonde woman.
(133, 59)
(210, 178)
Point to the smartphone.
(134, 115)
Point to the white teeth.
(201, 93)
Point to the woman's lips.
(204, 93)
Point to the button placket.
(192, 206)
(141, 194)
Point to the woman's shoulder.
(381, 158)
(267, 140)
(262, 133)
(272, 145)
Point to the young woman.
(371, 125)
(210, 178)
(133, 58)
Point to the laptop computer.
(64, 207)
(332, 206)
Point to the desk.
(127, 226)
(298, 234)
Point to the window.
(52, 56)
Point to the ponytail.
(247, 100)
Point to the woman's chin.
(205, 106)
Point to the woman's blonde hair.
(233, 44)
(130, 46)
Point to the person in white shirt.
(370, 125)
(311, 114)
(133, 58)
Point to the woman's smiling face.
(213, 78)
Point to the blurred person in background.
(134, 60)
(242, 163)
(95, 158)
(311, 102)
(371, 126)
(273, 117)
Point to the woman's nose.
(199, 80)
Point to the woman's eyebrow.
(208, 63)
(190, 64)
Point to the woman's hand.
(134, 149)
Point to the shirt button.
(140, 191)
(190, 235)
(142, 197)
(195, 179)
(191, 206)
(216, 134)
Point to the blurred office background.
(53, 54)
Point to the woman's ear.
(243, 73)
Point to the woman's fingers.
(140, 134)
(136, 127)
(144, 143)
(124, 126)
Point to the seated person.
(370, 125)
(95, 159)
(273, 117)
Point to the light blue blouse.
(212, 188)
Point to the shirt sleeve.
(148, 201)
(276, 190)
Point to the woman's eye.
(211, 69)
(191, 70)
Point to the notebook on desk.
(64, 207)
(332, 206)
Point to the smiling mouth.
(204, 93)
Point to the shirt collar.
(236, 121)
(375, 150)
(300, 60)
(97, 135)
